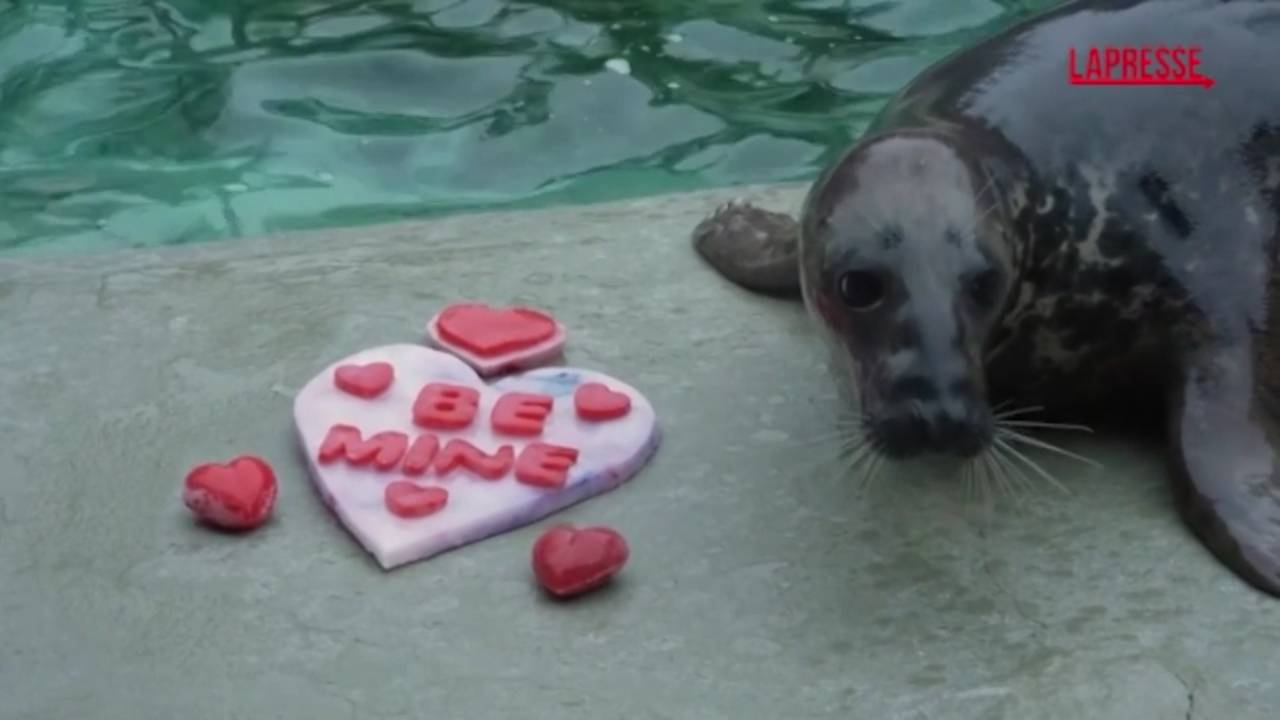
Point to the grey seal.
(1001, 238)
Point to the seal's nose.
(953, 429)
(950, 422)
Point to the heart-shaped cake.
(438, 458)
(494, 340)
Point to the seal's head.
(906, 265)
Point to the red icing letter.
(521, 413)
(421, 453)
(385, 448)
(460, 453)
(441, 406)
(545, 465)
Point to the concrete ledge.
(762, 584)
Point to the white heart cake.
(415, 454)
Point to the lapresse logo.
(1137, 65)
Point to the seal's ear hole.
(862, 289)
(983, 288)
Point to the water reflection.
(140, 122)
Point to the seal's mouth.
(916, 429)
(987, 452)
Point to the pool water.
(131, 123)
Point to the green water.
(127, 123)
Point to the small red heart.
(568, 561)
(488, 332)
(238, 495)
(364, 381)
(596, 402)
(410, 500)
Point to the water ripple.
(127, 123)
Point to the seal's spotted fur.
(1135, 230)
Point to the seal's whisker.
(1032, 464)
(990, 471)
(844, 451)
(814, 455)
(847, 389)
(840, 436)
(1012, 478)
(977, 222)
(851, 467)
(995, 409)
(865, 465)
(851, 464)
(847, 424)
(975, 481)
(1014, 436)
(991, 182)
(829, 468)
(966, 474)
(872, 472)
(978, 479)
(999, 484)
(831, 458)
(1022, 490)
(1043, 425)
(1014, 412)
(825, 449)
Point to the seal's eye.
(984, 288)
(861, 289)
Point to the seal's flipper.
(1226, 456)
(754, 248)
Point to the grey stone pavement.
(763, 584)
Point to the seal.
(1001, 238)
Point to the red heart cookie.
(364, 381)
(595, 402)
(569, 561)
(238, 495)
(410, 500)
(494, 341)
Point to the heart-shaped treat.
(440, 459)
(410, 500)
(597, 403)
(496, 341)
(238, 495)
(568, 561)
(364, 381)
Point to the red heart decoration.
(364, 381)
(238, 495)
(596, 402)
(568, 561)
(488, 332)
(409, 500)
